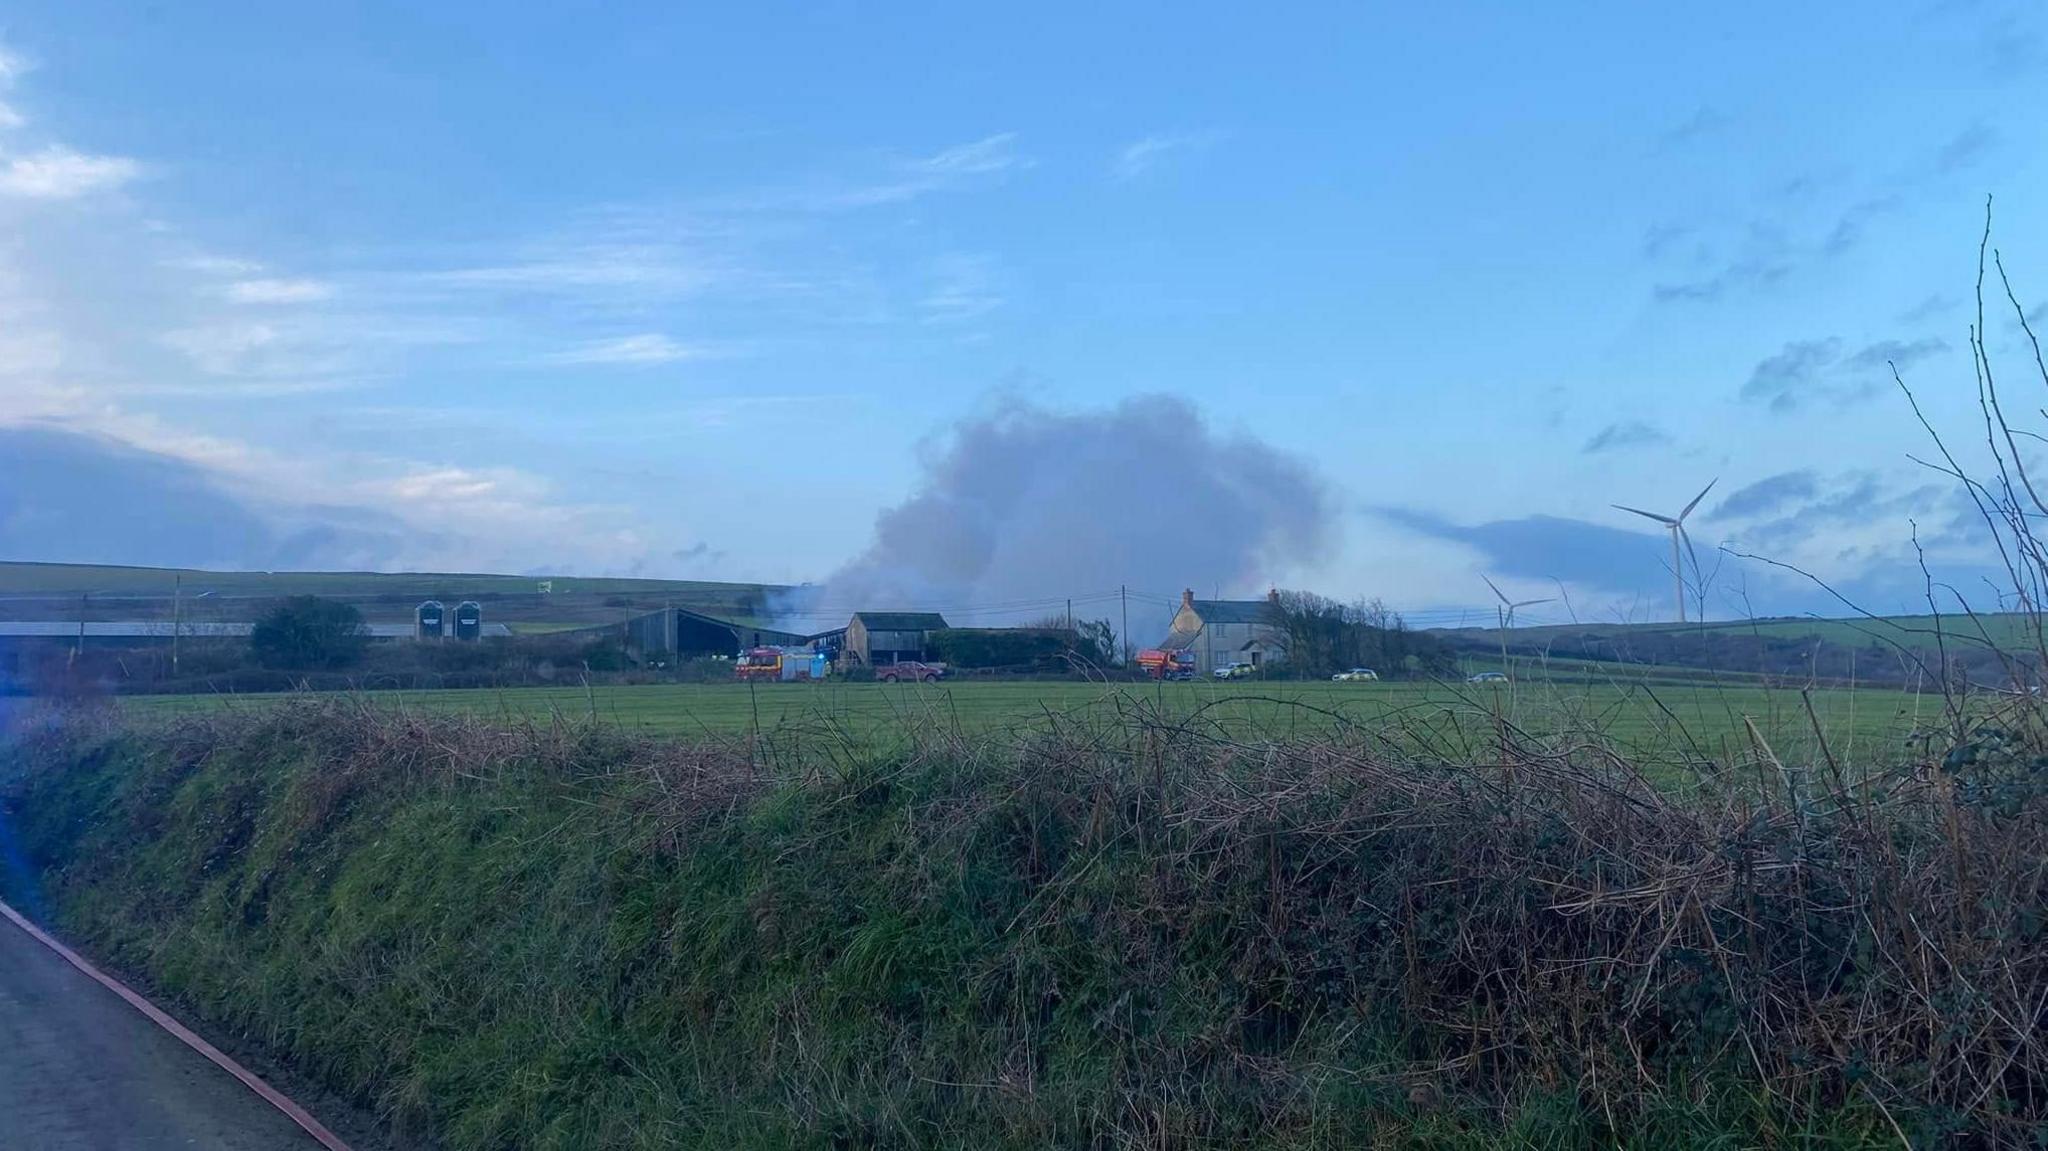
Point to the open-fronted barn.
(880, 638)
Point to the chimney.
(1187, 599)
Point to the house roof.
(1236, 611)
(900, 620)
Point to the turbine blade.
(1687, 537)
(1534, 602)
(1696, 499)
(1496, 590)
(1666, 520)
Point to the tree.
(1323, 635)
(1095, 642)
(307, 633)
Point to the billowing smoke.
(1022, 507)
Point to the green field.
(1658, 723)
(2008, 630)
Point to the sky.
(723, 293)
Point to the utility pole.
(1070, 615)
(84, 600)
(1123, 595)
(177, 617)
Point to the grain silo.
(429, 620)
(469, 620)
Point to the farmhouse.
(1227, 631)
(880, 638)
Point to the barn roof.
(1237, 611)
(900, 620)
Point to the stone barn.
(880, 638)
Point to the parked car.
(1235, 671)
(910, 670)
(1488, 677)
(1355, 675)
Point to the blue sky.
(635, 288)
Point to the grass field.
(1657, 722)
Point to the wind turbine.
(1676, 525)
(1505, 613)
(1506, 610)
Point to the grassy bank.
(1132, 936)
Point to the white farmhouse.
(1227, 631)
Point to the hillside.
(37, 591)
(1991, 649)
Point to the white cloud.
(59, 173)
(641, 268)
(1141, 156)
(11, 67)
(646, 348)
(997, 153)
(277, 291)
(222, 349)
(217, 265)
(9, 118)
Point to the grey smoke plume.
(1025, 504)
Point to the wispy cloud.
(645, 348)
(59, 173)
(221, 350)
(1900, 353)
(1765, 496)
(1628, 434)
(2012, 48)
(1807, 370)
(1929, 308)
(1703, 121)
(1964, 149)
(987, 158)
(277, 291)
(1784, 379)
(1850, 226)
(962, 287)
(1148, 152)
(215, 265)
(639, 267)
(1747, 272)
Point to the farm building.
(22, 642)
(693, 635)
(1227, 631)
(880, 638)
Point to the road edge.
(183, 1034)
